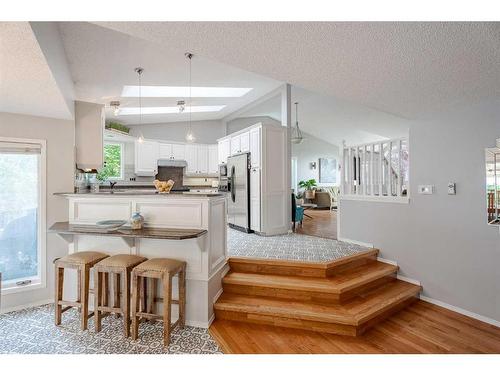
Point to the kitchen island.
(204, 253)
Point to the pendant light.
(190, 135)
(139, 72)
(297, 136)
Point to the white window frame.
(39, 282)
(122, 160)
(347, 193)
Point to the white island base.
(205, 256)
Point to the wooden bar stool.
(82, 261)
(119, 266)
(164, 270)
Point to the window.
(378, 170)
(113, 161)
(22, 213)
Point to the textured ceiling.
(27, 85)
(102, 61)
(335, 120)
(408, 69)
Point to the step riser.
(339, 329)
(311, 325)
(298, 269)
(305, 296)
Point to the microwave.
(222, 170)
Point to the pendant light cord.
(190, 94)
(140, 97)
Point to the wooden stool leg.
(143, 285)
(182, 297)
(126, 304)
(167, 303)
(79, 289)
(105, 289)
(58, 294)
(97, 299)
(135, 305)
(152, 285)
(84, 316)
(116, 291)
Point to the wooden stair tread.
(303, 264)
(359, 310)
(339, 283)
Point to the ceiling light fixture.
(183, 91)
(115, 104)
(190, 135)
(128, 111)
(297, 136)
(139, 72)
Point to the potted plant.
(310, 188)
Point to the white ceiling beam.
(50, 42)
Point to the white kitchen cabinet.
(245, 142)
(178, 151)
(254, 147)
(255, 199)
(146, 158)
(173, 151)
(202, 159)
(235, 144)
(213, 161)
(191, 159)
(165, 151)
(224, 150)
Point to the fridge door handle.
(233, 193)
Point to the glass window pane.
(112, 161)
(19, 189)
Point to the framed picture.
(327, 171)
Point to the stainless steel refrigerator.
(238, 208)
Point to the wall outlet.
(452, 188)
(426, 189)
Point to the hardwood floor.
(419, 328)
(322, 223)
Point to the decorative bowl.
(111, 224)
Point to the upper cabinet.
(89, 135)
(235, 145)
(173, 151)
(245, 142)
(254, 147)
(213, 161)
(224, 150)
(147, 154)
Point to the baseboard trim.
(459, 310)
(355, 242)
(217, 295)
(388, 261)
(408, 280)
(26, 306)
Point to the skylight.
(126, 111)
(183, 92)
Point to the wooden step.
(350, 318)
(299, 268)
(338, 288)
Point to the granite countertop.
(149, 192)
(154, 233)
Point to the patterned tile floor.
(32, 331)
(289, 246)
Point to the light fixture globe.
(297, 136)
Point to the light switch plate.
(452, 188)
(426, 189)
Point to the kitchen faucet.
(111, 186)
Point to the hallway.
(321, 223)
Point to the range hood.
(172, 163)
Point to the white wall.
(204, 131)
(241, 123)
(310, 150)
(60, 135)
(441, 240)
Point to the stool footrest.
(69, 303)
(149, 316)
(110, 309)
